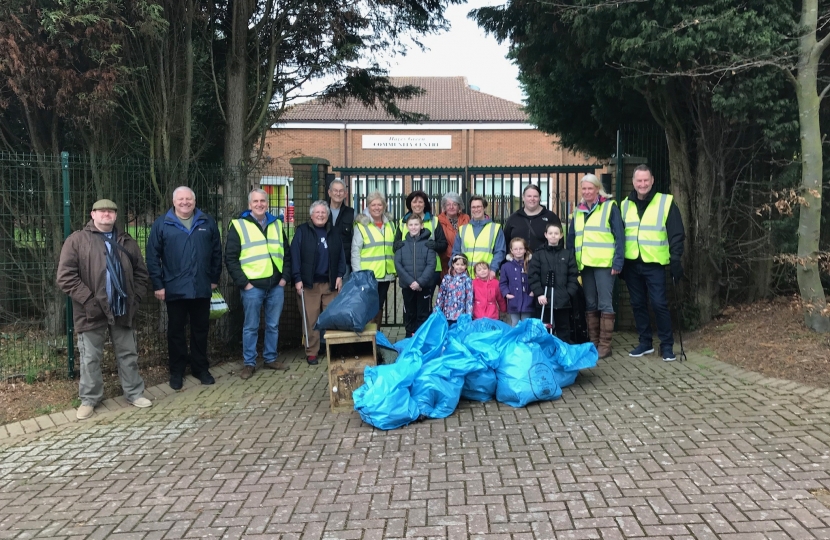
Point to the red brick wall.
(486, 148)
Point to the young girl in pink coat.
(487, 298)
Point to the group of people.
(480, 268)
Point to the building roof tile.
(446, 99)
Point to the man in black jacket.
(654, 239)
(341, 217)
(257, 256)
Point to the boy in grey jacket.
(415, 265)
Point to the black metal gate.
(500, 186)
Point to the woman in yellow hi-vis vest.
(372, 245)
(481, 240)
(597, 236)
(417, 203)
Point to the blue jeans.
(647, 282)
(252, 301)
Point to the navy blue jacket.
(184, 263)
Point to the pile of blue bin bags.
(478, 360)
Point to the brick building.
(465, 128)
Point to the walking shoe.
(668, 355)
(279, 366)
(176, 381)
(247, 372)
(312, 360)
(142, 403)
(84, 412)
(206, 378)
(641, 350)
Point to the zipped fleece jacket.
(531, 228)
(82, 274)
(415, 261)
(233, 247)
(563, 264)
(184, 262)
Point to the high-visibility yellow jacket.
(593, 239)
(258, 250)
(429, 225)
(647, 238)
(377, 253)
(478, 249)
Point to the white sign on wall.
(407, 142)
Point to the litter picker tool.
(550, 325)
(679, 322)
(305, 320)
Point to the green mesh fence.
(43, 198)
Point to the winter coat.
(514, 280)
(455, 297)
(304, 255)
(415, 261)
(531, 228)
(365, 218)
(184, 262)
(487, 299)
(345, 224)
(563, 264)
(82, 274)
(233, 248)
(449, 234)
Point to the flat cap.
(104, 204)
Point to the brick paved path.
(637, 448)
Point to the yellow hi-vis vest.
(377, 254)
(478, 249)
(647, 238)
(593, 240)
(430, 226)
(259, 250)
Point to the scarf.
(115, 276)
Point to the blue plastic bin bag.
(429, 338)
(384, 399)
(484, 338)
(436, 390)
(479, 379)
(383, 341)
(526, 370)
(356, 305)
(480, 385)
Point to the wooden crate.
(348, 354)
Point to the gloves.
(397, 245)
(431, 244)
(676, 271)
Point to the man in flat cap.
(102, 271)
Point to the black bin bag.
(356, 305)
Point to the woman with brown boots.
(597, 235)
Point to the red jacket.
(487, 299)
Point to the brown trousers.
(317, 299)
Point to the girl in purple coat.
(514, 283)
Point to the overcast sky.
(463, 51)
(467, 51)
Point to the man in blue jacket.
(184, 259)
